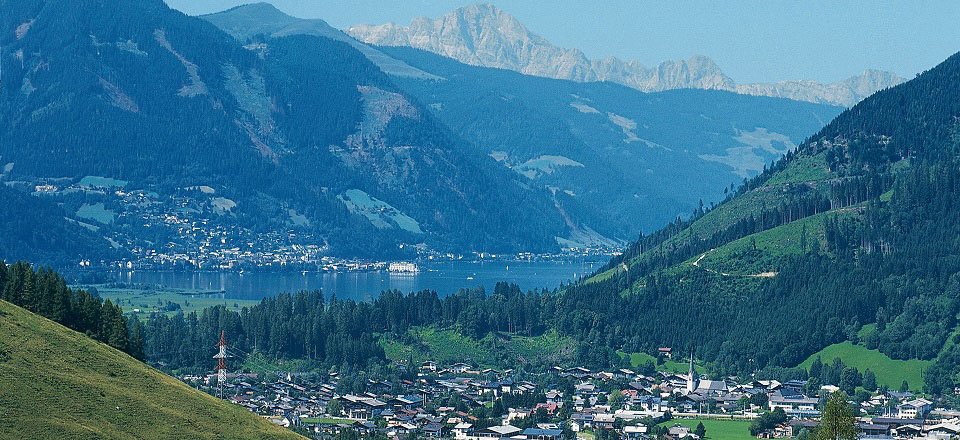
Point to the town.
(197, 228)
(464, 402)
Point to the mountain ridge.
(484, 35)
(835, 235)
(247, 141)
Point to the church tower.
(692, 378)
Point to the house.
(914, 409)
(667, 352)
(507, 387)
(604, 421)
(462, 430)
(432, 430)
(635, 432)
(679, 432)
(541, 434)
(428, 366)
(795, 385)
(554, 396)
(794, 403)
(907, 431)
(460, 368)
(406, 402)
(362, 407)
(517, 413)
(873, 430)
(497, 432)
(401, 430)
(712, 388)
(943, 429)
(581, 421)
(549, 408)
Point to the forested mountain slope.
(146, 119)
(58, 383)
(37, 230)
(619, 161)
(858, 226)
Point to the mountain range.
(484, 35)
(665, 153)
(170, 136)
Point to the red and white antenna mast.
(221, 358)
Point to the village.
(461, 401)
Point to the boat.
(403, 267)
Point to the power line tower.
(221, 358)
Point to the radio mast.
(221, 358)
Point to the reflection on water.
(444, 277)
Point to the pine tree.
(869, 380)
(700, 431)
(837, 422)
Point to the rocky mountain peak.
(484, 35)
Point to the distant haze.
(752, 41)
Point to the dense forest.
(35, 229)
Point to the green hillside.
(837, 235)
(890, 372)
(58, 383)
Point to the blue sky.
(752, 41)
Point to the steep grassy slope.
(57, 383)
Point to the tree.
(816, 368)
(700, 430)
(904, 387)
(849, 379)
(837, 422)
(334, 409)
(869, 380)
(616, 400)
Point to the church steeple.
(691, 376)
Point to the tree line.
(44, 292)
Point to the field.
(96, 212)
(58, 383)
(803, 168)
(890, 372)
(717, 429)
(670, 365)
(148, 300)
(380, 214)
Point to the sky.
(751, 40)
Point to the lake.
(444, 277)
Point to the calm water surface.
(444, 277)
